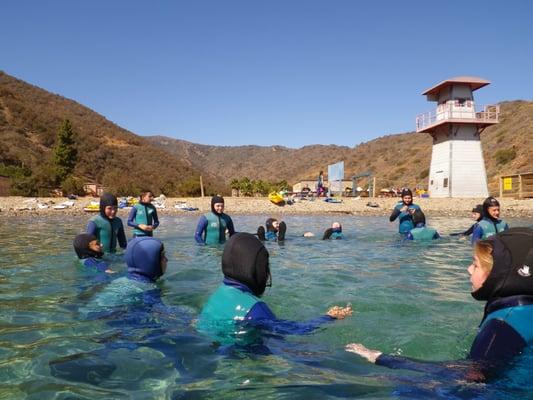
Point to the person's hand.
(358, 348)
(143, 227)
(404, 209)
(340, 312)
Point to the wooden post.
(374, 186)
(201, 186)
(520, 186)
(501, 186)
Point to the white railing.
(450, 112)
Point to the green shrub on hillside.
(423, 174)
(72, 185)
(505, 155)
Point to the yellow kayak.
(92, 207)
(275, 198)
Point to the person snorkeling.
(477, 215)
(421, 231)
(491, 223)
(501, 275)
(275, 230)
(211, 228)
(89, 251)
(235, 310)
(106, 226)
(404, 211)
(335, 232)
(143, 215)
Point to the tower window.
(445, 183)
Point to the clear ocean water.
(409, 298)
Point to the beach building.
(457, 167)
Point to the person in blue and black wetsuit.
(275, 230)
(106, 226)
(335, 232)
(502, 275)
(491, 223)
(143, 215)
(211, 228)
(89, 251)
(421, 231)
(235, 313)
(404, 211)
(477, 215)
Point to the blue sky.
(289, 73)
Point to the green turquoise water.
(409, 298)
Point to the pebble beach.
(20, 206)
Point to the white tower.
(457, 165)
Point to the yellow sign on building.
(507, 183)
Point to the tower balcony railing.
(451, 112)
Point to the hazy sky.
(282, 72)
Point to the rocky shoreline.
(20, 206)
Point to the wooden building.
(518, 186)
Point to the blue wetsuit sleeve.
(155, 222)
(200, 229)
(97, 264)
(409, 236)
(121, 237)
(262, 317)
(231, 228)
(397, 362)
(131, 218)
(477, 234)
(395, 214)
(497, 342)
(436, 235)
(92, 228)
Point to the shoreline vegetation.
(23, 206)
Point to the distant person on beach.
(275, 230)
(106, 226)
(491, 223)
(211, 228)
(90, 252)
(320, 190)
(235, 312)
(421, 231)
(404, 210)
(477, 215)
(335, 232)
(143, 215)
(500, 275)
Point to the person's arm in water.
(121, 237)
(229, 225)
(200, 229)
(155, 219)
(327, 233)
(477, 234)
(262, 317)
(131, 218)
(395, 214)
(92, 228)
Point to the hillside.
(107, 153)
(396, 160)
(30, 118)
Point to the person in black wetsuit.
(275, 230)
(500, 274)
(90, 252)
(477, 215)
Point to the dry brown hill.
(396, 160)
(30, 118)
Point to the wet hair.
(107, 199)
(483, 250)
(144, 192)
(245, 260)
(489, 202)
(512, 254)
(81, 246)
(214, 200)
(270, 225)
(406, 192)
(419, 218)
